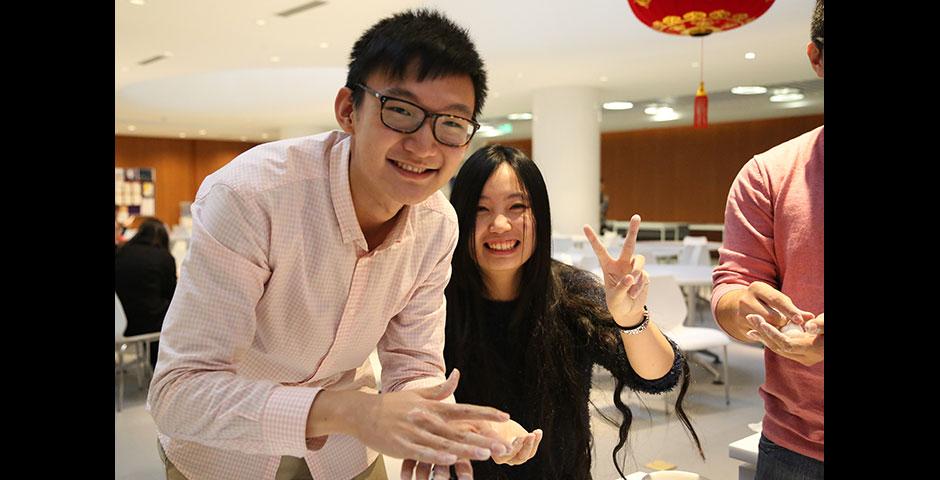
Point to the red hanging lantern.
(698, 18)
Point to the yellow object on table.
(660, 465)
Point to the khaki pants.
(291, 468)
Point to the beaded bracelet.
(636, 329)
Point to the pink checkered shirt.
(280, 298)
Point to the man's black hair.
(422, 39)
(816, 28)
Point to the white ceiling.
(218, 75)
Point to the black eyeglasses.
(406, 117)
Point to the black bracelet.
(636, 329)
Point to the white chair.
(694, 251)
(668, 310)
(580, 243)
(589, 262)
(562, 244)
(141, 345)
(566, 258)
(609, 237)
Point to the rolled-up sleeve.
(196, 393)
(747, 253)
(412, 349)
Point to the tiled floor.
(654, 435)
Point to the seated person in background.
(144, 279)
(525, 330)
(118, 232)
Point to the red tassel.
(701, 107)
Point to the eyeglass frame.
(433, 116)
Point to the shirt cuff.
(284, 421)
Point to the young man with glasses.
(307, 254)
(769, 289)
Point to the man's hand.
(768, 302)
(803, 347)
(492, 430)
(815, 326)
(408, 424)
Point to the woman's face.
(505, 227)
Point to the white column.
(566, 145)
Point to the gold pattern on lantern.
(643, 3)
(696, 23)
(720, 15)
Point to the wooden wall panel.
(665, 174)
(211, 156)
(682, 174)
(181, 166)
(172, 161)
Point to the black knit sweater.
(516, 393)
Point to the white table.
(641, 475)
(651, 249)
(686, 275)
(707, 227)
(745, 450)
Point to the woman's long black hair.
(549, 357)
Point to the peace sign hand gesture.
(626, 284)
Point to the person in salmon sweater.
(768, 288)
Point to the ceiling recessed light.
(138, 2)
(656, 109)
(264, 136)
(787, 97)
(694, 64)
(491, 131)
(618, 105)
(603, 79)
(495, 94)
(749, 90)
(260, 22)
(519, 116)
(796, 104)
(167, 54)
(125, 69)
(785, 91)
(182, 134)
(131, 128)
(202, 132)
(244, 139)
(519, 75)
(750, 55)
(275, 59)
(665, 116)
(324, 45)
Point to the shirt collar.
(340, 155)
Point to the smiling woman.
(525, 331)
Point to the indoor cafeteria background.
(197, 83)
